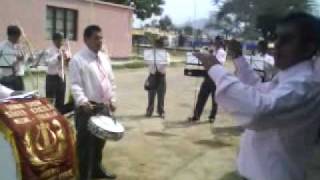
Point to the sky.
(182, 11)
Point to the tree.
(166, 24)
(142, 8)
(260, 14)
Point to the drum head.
(107, 124)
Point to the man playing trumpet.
(57, 57)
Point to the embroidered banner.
(43, 138)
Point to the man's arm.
(75, 73)
(255, 109)
(245, 73)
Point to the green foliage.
(142, 8)
(259, 14)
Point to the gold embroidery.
(40, 109)
(12, 107)
(46, 115)
(14, 114)
(34, 103)
(47, 145)
(20, 121)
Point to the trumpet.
(65, 54)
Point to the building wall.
(31, 15)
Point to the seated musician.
(281, 117)
(92, 84)
(13, 60)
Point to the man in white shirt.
(55, 80)
(208, 86)
(263, 62)
(12, 60)
(92, 86)
(157, 77)
(281, 117)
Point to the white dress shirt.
(281, 118)
(8, 57)
(160, 67)
(91, 77)
(53, 62)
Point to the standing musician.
(13, 60)
(92, 84)
(263, 62)
(280, 117)
(208, 86)
(158, 77)
(57, 58)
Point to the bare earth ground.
(170, 149)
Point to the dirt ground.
(170, 149)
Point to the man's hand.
(112, 107)
(20, 57)
(87, 107)
(208, 60)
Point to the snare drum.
(105, 128)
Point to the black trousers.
(13, 82)
(89, 147)
(55, 89)
(207, 87)
(160, 92)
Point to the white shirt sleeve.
(51, 57)
(112, 82)
(245, 73)
(76, 82)
(255, 109)
(5, 92)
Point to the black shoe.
(193, 119)
(102, 173)
(211, 119)
(162, 115)
(148, 114)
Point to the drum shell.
(103, 134)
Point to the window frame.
(54, 10)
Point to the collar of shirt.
(91, 54)
(293, 71)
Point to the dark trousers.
(207, 87)
(89, 147)
(13, 82)
(160, 91)
(55, 89)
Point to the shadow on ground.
(227, 131)
(159, 134)
(212, 143)
(231, 176)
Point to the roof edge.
(109, 4)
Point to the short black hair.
(57, 36)
(307, 25)
(90, 30)
(263, 44)
(13, 30)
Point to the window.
(61, 20)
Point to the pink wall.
(115, 22)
